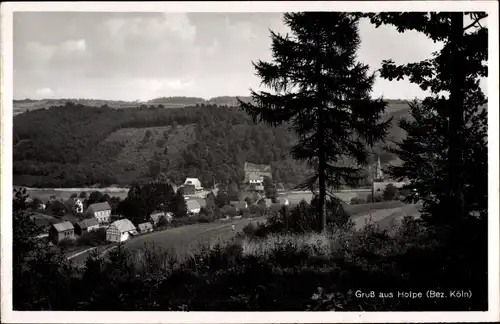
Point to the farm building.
(254, 172)
(61, 231)
(145, 227)
(120, 231)
(157, 215)
(101, 211)
(86, 225)
(195, 182)
(193, 207)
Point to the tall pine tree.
(455, 70)
(323, 94)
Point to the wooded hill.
(73, 145)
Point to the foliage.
(444, 155)
(93, 238)
(357, 201)
(41, 275)
(315, 76)
(143, 199)
(162, 222)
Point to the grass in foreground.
(291, 272)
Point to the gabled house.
(61, 231)
(195, 182)
(145, 227)
(120, 231)
(101, 211)
(87, 225)
(157, 215)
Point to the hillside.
(75, 145)
(24, 105)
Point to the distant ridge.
(21, 106)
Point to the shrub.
(162, 221)
(390, 192)
(376, 198)
(93, 238)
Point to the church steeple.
(378, 172)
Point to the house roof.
(86, 223)
(64, 226)
(193, 181)
(123, 225)
(251, 167)
(144, 226)
(100, 206)
(192, 205)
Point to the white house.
(195, 182)
(193, 207)
(120, 231)
(255, 178)
(101, 211)
(78, 206)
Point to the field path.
(384, 217)
(185, 239)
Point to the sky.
(141, 56)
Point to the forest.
(64, 146)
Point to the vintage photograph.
(300, 160)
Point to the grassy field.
(185, 241)
(45, 194)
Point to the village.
(66, 220)
(80, 221)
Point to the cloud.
(44, 92)
(72, 46)
(112, 55)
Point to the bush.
(93, 238)
(162, 221)
(376, 198)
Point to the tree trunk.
(322, 174)
(456, 117)
(321, 144)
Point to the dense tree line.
(65, 146)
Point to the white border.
(247, 317)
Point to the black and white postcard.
(250, 162)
